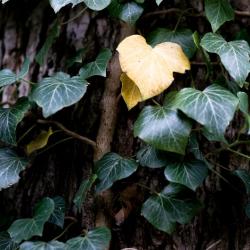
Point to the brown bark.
(108, 119)
(103, 118)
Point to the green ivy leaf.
(6, 243)
(243, 102)
(218, 12)
(234, 55)
(188, 173)
(167, 208)
(128, 12)
(98, 67)
(40, 245)
(92, 4)
(7, 77)
(245, 177)
(163, 128)
(213, 107)
(112, 167)
(57, 217)
(52, 35)
(24, 70)
(183, 37)
(24, 229)
(194, 148)
(242, 34)
(150, 157)
(97, 5)
(10, 167)
(158, 2)
(58, 91)
(97, 239)
(77, 58)
(10, 118)
(83, 190)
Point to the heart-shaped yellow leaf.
(150, 69)
(130, 92)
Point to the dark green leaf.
(234, 55)
(167, 208)
(218, 12)
(92, 4)
(243, 34)
(57, 217)
(58, 91)
(10, 118)
(188, 173)
(97, 239)
(128, 12)
(194, 148)
(40, 245)
(158, 2)
(77, 58)
(163, 128)
(245, 177)
(98, 67)
(96, 5)
(24, 229)
(10, 167)
(7, 77)
(243, 102)
(53, 34)
(150, 157)
(6, 243)
(112, 167)
(182, 37)
(24, 70)
(214, 108)
(81, 194)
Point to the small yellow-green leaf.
(39, 142)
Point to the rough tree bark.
(60, 169)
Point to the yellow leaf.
(151, 69)
(130, 92)
(39, 142)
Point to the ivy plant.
(168, 127)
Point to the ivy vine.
(170, 131)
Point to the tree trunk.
(59, 169)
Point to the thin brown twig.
(242, 13)
(69, 132)
(202, 14)
(55, 144)
(160, 12)
(65, 230)
(227, 147)
(203, 63)
(213, 244)
(74, 17)
(239, 153)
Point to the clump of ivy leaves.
(165, 129)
